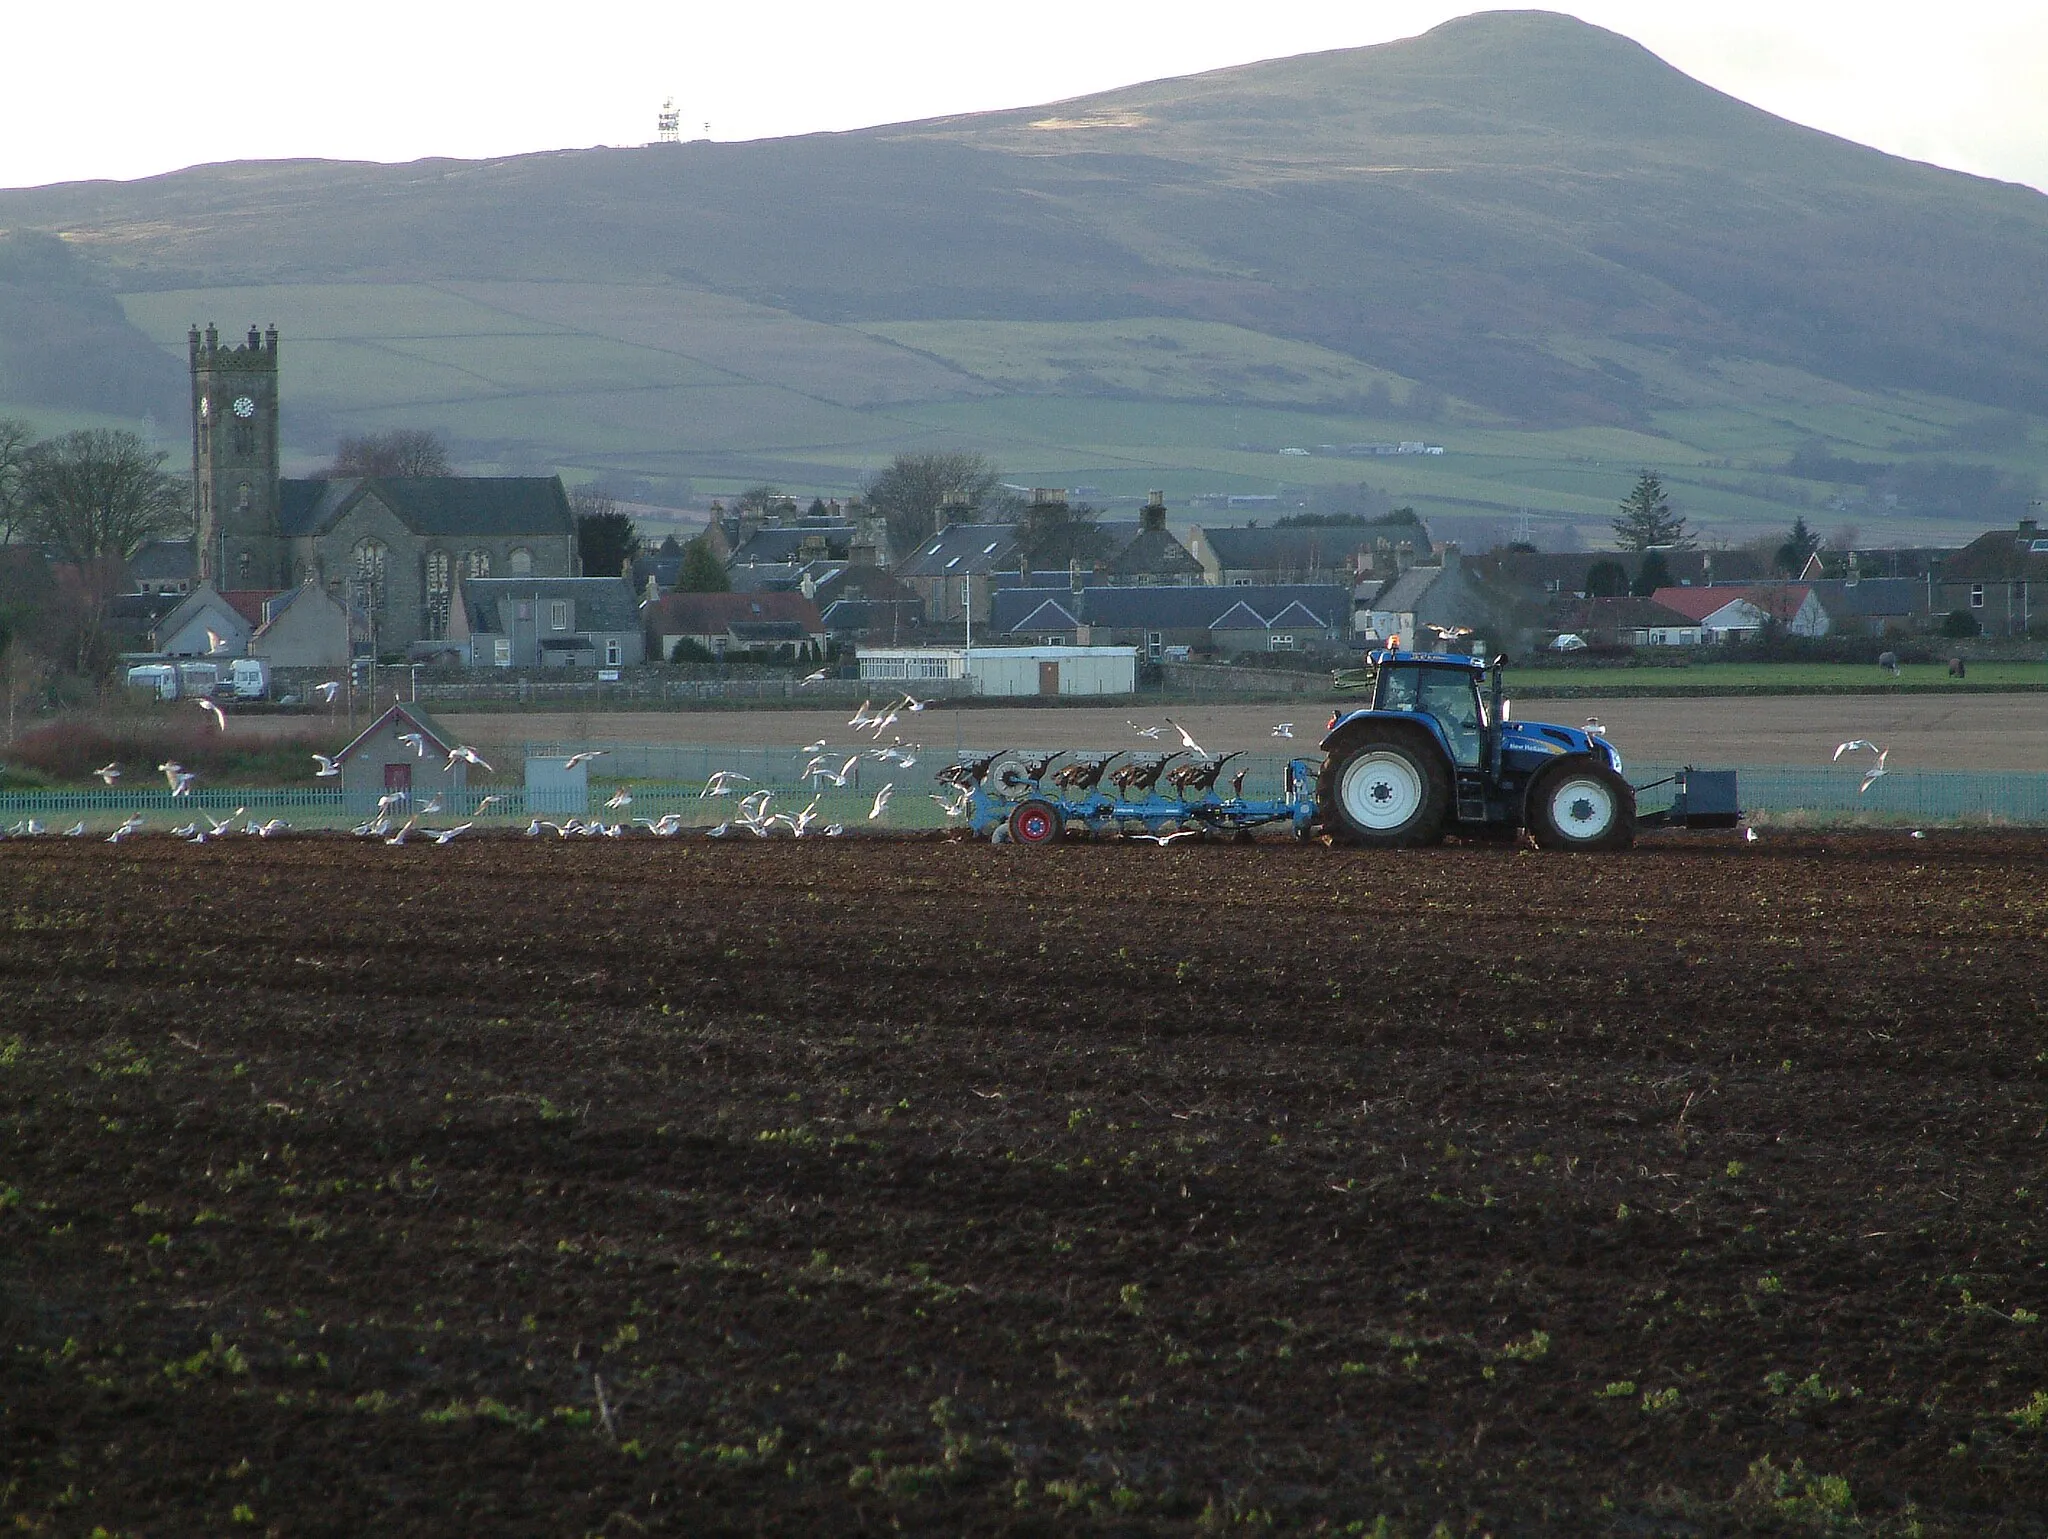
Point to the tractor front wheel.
(1580, 804)
(1386, 790)
(1036, 822)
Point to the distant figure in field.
(1956, 670)
(1889, 661)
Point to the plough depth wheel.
(1035, 822)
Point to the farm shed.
(1007, 670)
(377, 762)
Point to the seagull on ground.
(1749, 836)
(956, 804)
(265, 830)
(32, 828)
(212, 709)
(667, 825)
(835, 830)
(328, 767)
(1877, 771)
(721, 783)
(1187, 741)
(584, 757)
(134, 822)
(226, 824)
(108, 773)
(329, 690)
(416, 741)
(1184, 833)
(442, 836)
(399, 837)
(1151, 732)
(719, 832)
(1283, 729)
(76, 830)
(882, 801)
(468, 756)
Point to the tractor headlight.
(1613, 754)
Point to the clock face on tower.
(244, 407)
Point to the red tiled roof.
(1779, 600)
(248, 602)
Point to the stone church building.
(396, 548)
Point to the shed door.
(1049, 678)
(398, 777)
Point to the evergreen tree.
(701, 571)
(1801, 543)
(1647, 518)
(1654, 573)
(1606, 579)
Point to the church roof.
(452, 506)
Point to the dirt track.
(1973, 732)
(971, 1189)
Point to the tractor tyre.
(1386, 788)
(1578, 803)
(1036, 822)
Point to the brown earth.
(947, 1188)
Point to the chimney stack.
(1153, 515)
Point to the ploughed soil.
(567, 1187)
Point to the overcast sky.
(124, 88)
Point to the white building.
(1006, 671)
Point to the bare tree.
(16, 437)
(100, 495)
(399, 452)
(910, 491)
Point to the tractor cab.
(1443, 687)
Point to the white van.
(249, 678)
(159, 678)
(198, 679)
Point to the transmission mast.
(668, 123)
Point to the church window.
(242, 566)
(558, 615)
(245, 438)
(477, 564)
(368, 572)
(520, 562)
(242, 495)
(438, 570)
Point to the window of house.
(501, 652)
(611, 654)
(1977, 595)
(477, 563)
(524, 609)
(520, 562)
(1155, 641)
(1278, 643)
(558, 615)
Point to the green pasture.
(662, 379)
(1767, 678)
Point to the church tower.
(235, 460)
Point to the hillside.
(1517, 232)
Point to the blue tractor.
(1433, 754)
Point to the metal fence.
(670, 779)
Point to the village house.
(557, 622)
(1627, 622)
(378, 764)
(1180, 620)
(1448, 595)
(734, 625)
(1739, 613)
(1993, 579)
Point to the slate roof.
(713, 614)
(2002, 555)
(601, 603)
(1568, 569)
(1627, 613)
(414, 720)
(1154, 551)
(1298, 549)
(1403, 592)
(1195, 607)
(786, 543)
(1871, 597)
(963, 550)
(448, 506)
(165, 561)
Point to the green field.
(1782, 678)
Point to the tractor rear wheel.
(1386, 788)
(1578, 803)
(1036, 822)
